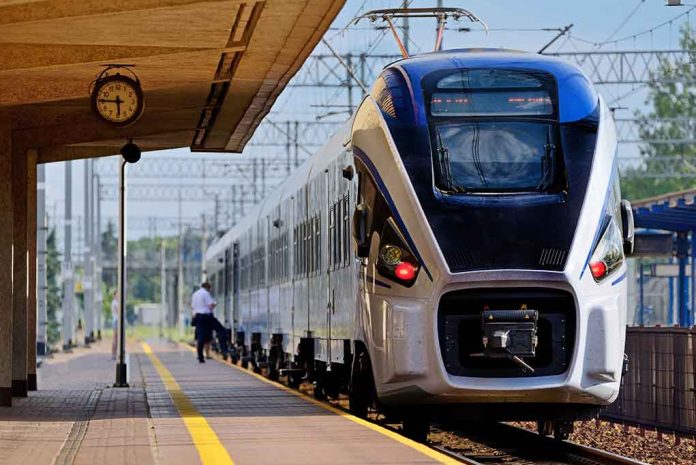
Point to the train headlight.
(391, 255)
(608, 255)
(394, 258)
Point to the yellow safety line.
(210, 449)
(422, 448)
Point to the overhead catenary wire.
(625, 21)
(637, 34)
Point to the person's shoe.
(208, 357)
(200, 360)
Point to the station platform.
(177, 411)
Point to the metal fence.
(659, 389)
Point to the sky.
(516, 24)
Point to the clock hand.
(102, 100)
(118, 105)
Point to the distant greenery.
(54, 294)
(672, 94)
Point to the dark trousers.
(205, 325)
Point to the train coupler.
(510, 334)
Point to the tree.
(672, 98)
(54, 294)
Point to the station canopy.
(670, 212)
(210, 70)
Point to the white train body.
(481, 232)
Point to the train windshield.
(494, 131)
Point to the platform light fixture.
(130, 153)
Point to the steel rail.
(518, 445)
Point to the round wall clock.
(117, 99)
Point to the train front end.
(492, 235)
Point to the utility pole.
(204, 241)
(87, 257)
(406, 27)
(163, 286)
(439, 5)
(180, 276)
(287, 146)
(41, 279)
(297, 145)
(254, 179)
(67, 271)
(349, 82)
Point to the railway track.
(511, 445)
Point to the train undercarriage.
(354, 380)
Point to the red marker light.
(598, 269)
(405, 271)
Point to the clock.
(117, 99)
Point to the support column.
(6, 210)
(42, 283)
(682, 285)
(19, 273)
(67, 269)
(31, 269)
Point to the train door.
(330, 230)
(234, 317)
(227, 287)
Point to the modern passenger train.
(457, 248)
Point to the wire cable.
(626, 20)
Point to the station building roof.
(675, 211)
(210, 70)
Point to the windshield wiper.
(547, 163)
(444, 162)
(476, 155)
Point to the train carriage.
(460, 243)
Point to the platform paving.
(76, 417)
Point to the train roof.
(576, 94)
(298, 178)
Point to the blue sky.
(594, 21)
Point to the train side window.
(303, 249)
(310, 255)
(332, 237)
(317, 245)
(346, 228)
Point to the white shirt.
(202, 301)
(114, 312)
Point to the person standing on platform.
(203, 304)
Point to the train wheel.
(294, 381)
(562, 430)
(245, 364)
(544, 428)
(416, 426)
(332, 384)
(320, 386)
(361, 387)
(274, 363)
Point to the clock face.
(118, 100)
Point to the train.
(457, 249)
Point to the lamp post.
(131, 154)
